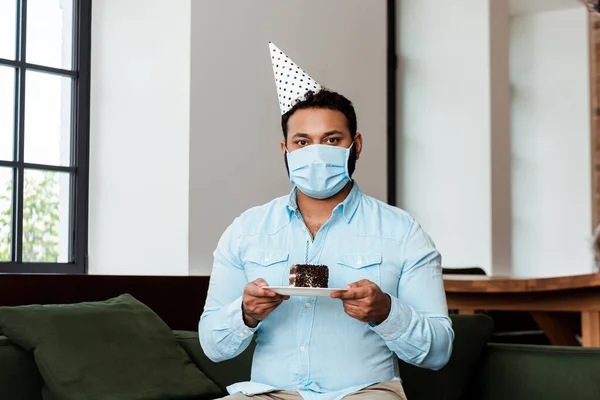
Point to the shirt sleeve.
(418, 329)
(223, 333)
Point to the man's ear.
(282, 146)
(358, 144)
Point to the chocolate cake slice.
(306, 275)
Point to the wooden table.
(540, 297)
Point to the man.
(325, 348)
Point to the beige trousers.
(382, 391)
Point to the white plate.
(302, 291)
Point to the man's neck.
(320, 210)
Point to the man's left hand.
(365, 301)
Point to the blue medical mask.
(319, 171)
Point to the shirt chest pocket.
(268, 264)
(353, 267)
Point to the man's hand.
(258, 303)
(365, 301)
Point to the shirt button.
(241, 334)
(246, 331)
(307, 305)
(302, 348)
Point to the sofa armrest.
(19, 376)
(224, 373)
(525, 372)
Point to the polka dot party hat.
(292, 82)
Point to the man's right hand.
(258, 302)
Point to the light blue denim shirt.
(308, 344)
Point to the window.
(44, 135)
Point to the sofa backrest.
(501, 372)
(476, 371)
(224, 373)
(472, 334)
(525, 372)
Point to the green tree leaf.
(41, 219)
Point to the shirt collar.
(348, 207)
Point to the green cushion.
(472, 333)
(115, 349)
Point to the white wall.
(160, 197)
(551, 144)
(538, 6)
(139, 161)
(235, 160)
(166, 181)
(501, 180)
(449, 91)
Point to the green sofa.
(477, 369)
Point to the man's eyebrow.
(300, 134)
(333, 132)
(326, 134)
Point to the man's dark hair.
(323, 99)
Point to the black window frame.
(80, 135)
(392, 101)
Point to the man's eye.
(301, 142)
(332, 140)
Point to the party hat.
(292, 82)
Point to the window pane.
(46, 216)
(6, 177)
(8, 26)
(47, 119)
(7, 111)
(50, 32)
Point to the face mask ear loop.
(347, 159)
